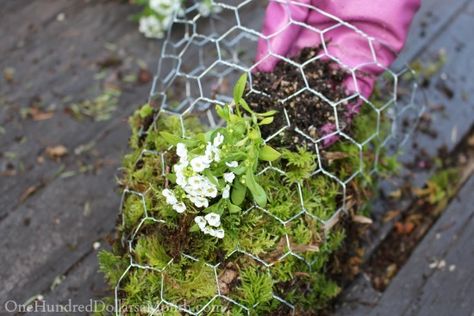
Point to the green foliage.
(145, 111)
(300, 164)
(134, 211)
(440, 187)
(271, 186)
(149, 250)
(112, 266)
(256, 287)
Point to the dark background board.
(452, 23)
(49, 235)
(421, 288)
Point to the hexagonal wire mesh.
(201, 58)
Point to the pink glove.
(387, 21)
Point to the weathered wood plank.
(83, 285)
(44, 239)
(419, 289)
(49, 233)
(450, 126)
(63, 65)
(429, 23)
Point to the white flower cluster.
(196, 187)
(165, 7)
(206, 7)
(208, 225)
(154, 26)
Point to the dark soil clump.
(305, 110)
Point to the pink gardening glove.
(387, 21)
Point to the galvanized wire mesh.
(200, 60)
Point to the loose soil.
(306, 110)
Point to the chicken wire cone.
(202, 57)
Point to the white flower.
(204, 9)
(219, 233)
(179, 207)
(198, 201)
(182, 152)
(167, 192)
(200, 221)
(206, 230)
(170, 197)
(212, 152)
(179, 170)
(194, 191)
(210, 190)
(181, 180)
(200, 163)
(213, 219)
(218, 140)
(166, 21)
(217, 155)
(229, 177)
(179, 167)
(164, 7)
(226, 192)
(232, 164)
(209, 150)
(151, 27)
(195, 181)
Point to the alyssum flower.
(196, 187)
(207, 223)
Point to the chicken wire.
(200, 60)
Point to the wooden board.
(420, 288)
(450, 126)
(49, 233)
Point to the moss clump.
(275, 251)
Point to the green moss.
(112, 266)
(274, 250)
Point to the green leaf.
(240, 88)
(215, 208)
(240, 169)
(233, 208)
(269, 113)
(245, 105)
(266, 121)
(171, 177)
(256, 189)
(267, 153)
(210, 176)
(238, 192)
(194, 228)
(146, 111)
(170, 138)
(223, 112)
(254, 134)
(173, 139)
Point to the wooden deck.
(52, 211)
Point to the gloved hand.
(387, 21)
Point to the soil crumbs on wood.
(431, 202)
